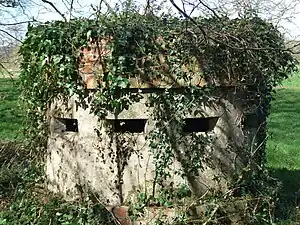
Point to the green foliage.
(9, 3)
(32, 210)
(169, 109)
(248, 54)
(24, 200)
(167, 197)
(243, 52)
(251, 51)
(48, 70)
(15, 169)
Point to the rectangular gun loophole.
(66, 125)
(128, 125)
(199, 124)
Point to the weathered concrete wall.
(95, 158)
(85, 155)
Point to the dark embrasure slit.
(128, 125)
(66, 125)
(199, 124)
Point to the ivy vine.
(247, 54)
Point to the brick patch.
(121, 214)
(91, 61)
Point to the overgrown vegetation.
(135, 44)
(25, 200)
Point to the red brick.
(121, 213)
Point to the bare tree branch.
(7, 33)
(17, 23)
(190, 18)
(194, 8)
(71, 8)
(11, 75)
(54, 7)
(109, 8)
(209, 8)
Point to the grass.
(10, 114)
(283, 147)
(292, 82)
(284, 130)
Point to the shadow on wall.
(289, 196)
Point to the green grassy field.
(283, 147)
(10, 114)
(284, 129)
(292, 82)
